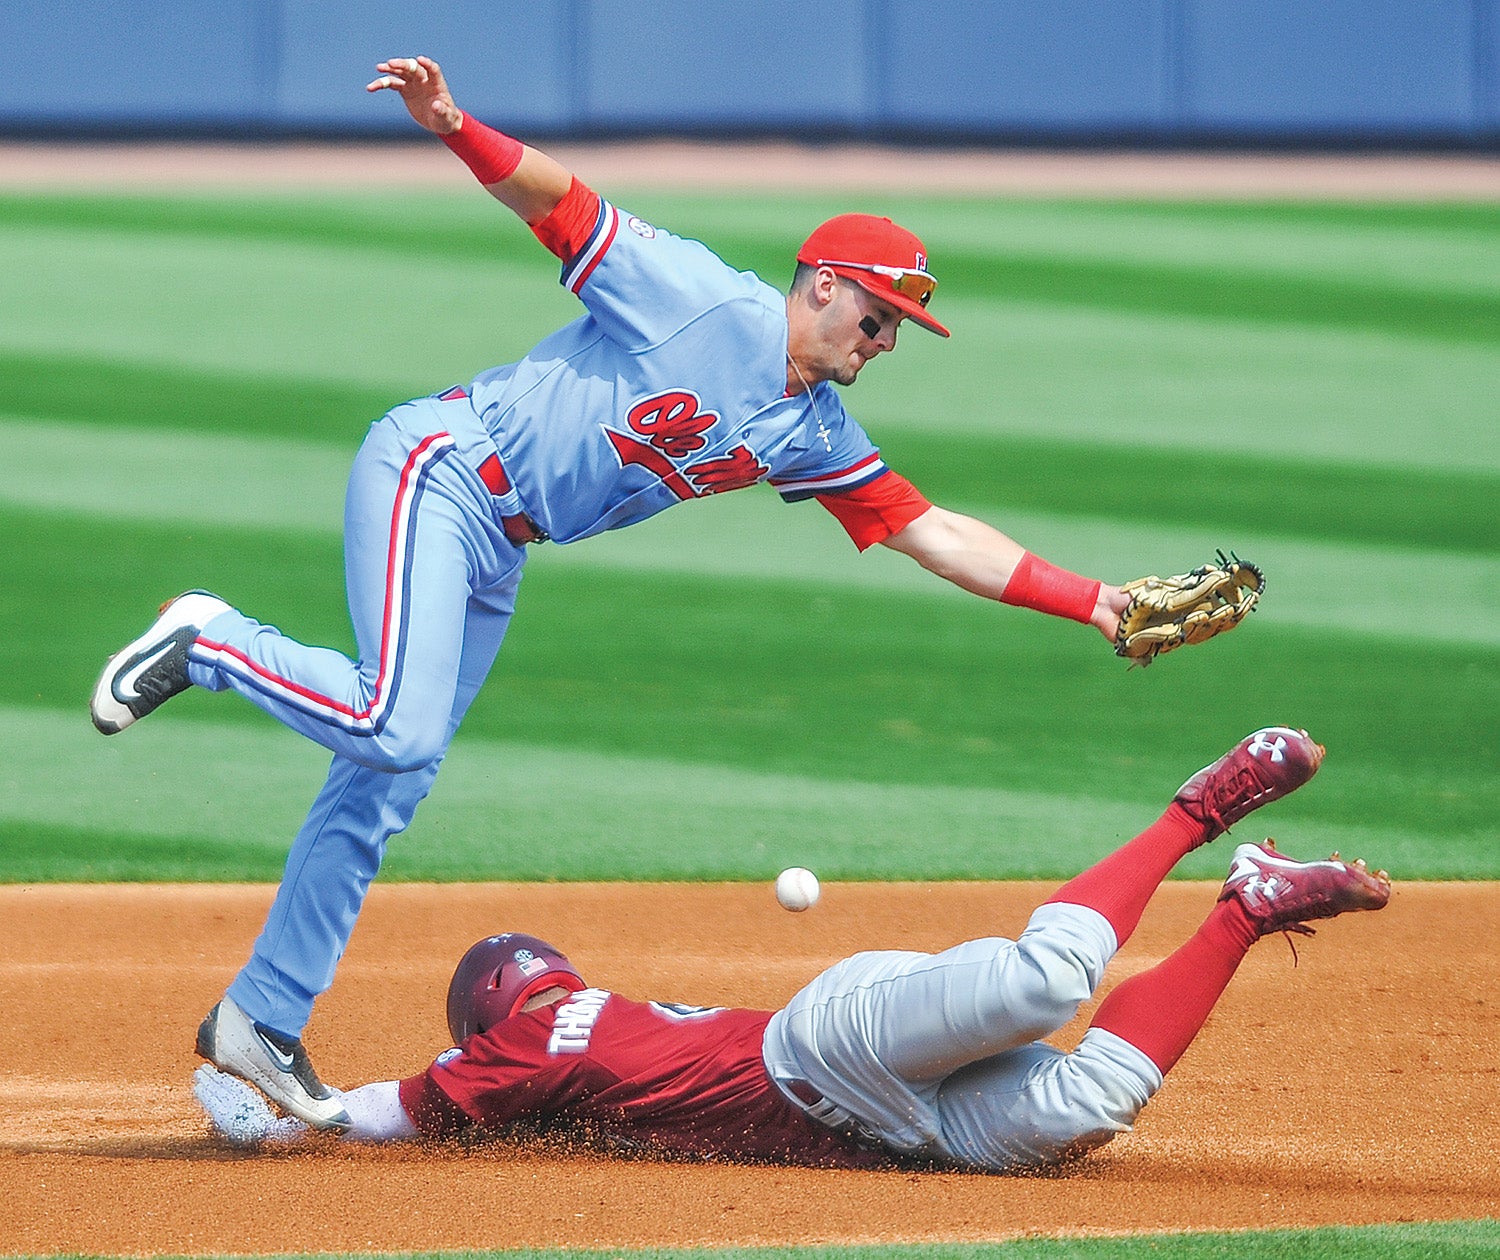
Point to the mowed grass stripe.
(263, 307)
(1202, 292)
(1225, 293)
(1228, 389)
(118, 394)
(568, 814)
(239, 482)
(800, 679)
(1309, 585)
(1405, 309)
(1409, 507)
(1316, 233)
(1450, 509)
(267, 311)
(222, 479)
(189, 799)
(1432, 247)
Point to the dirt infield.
(1359, 1085)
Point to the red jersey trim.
(871, 513)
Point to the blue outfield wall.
(1162, 71)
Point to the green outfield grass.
(731, 688)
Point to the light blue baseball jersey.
(671, 387)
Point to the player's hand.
(421, 84)
(1111, 603)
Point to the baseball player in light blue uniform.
(684, 378)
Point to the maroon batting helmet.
(496, 977)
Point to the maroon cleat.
(1280, 893)
(1262, 767)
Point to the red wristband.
(1048, 589)
(491, 155)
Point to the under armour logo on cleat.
(1276, 747)
(1266, 886)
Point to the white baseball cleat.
(274, 1063)
(152, 669)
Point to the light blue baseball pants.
(432, 583)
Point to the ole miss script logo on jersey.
(666, 431)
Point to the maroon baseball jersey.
(671, 1079)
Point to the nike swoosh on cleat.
(280, 1057)
(127, 680)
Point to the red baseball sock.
(1119, 886)
(1160, 1011)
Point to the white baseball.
(797, 888)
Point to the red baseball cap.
(879, 256)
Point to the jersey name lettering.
(573, 1022)
(673, 424)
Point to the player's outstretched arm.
(982, 560)
(515, 174)
(240, 1114)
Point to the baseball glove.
(1168, 613)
